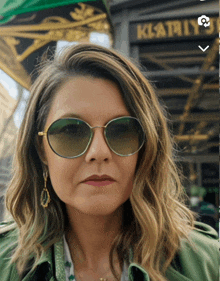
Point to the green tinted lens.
(125, 136)
(69, 137)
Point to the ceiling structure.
(166, 37)
(190, 94)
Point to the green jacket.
(188, 264)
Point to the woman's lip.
(99, 183)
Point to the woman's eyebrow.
(71, 115)
(81, 117)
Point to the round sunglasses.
(71, 137)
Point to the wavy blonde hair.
(155, 218)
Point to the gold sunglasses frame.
(44, 133)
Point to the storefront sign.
(167, 29)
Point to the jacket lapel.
(59, 261)
(44, 266)
(137, 273)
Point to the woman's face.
(97, 102)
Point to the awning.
(29, 27)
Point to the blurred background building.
(176, 43)
(7, 138)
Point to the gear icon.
(204, 20)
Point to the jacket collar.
(136, 272)
(56, 254)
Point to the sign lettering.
(172, 29)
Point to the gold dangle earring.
(45, 196)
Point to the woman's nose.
(98, 148)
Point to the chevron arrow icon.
(204, 48)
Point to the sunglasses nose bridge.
(92, 130)
(98, 127)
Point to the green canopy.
(10, 8)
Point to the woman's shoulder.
(8, 236)
(205, 230)
(204, 236)
(198, 260)
(8, 233)
(6, 226)
(8, 242)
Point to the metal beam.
(184, 91)
(196, 117)
(166, 67)
(180, 71)
(161, 54)
(196, 131)
(207, 146)
(173, 91)
(196, 10)
(183, 60)
(211, 87)
(181, 138)
(160, 10)
(207, 158)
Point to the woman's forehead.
(89, 99)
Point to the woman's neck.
(90, 237)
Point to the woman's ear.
(40, 151)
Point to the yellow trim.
(63, 30)
(41, 134)
(51, 26)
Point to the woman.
(95, 193)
